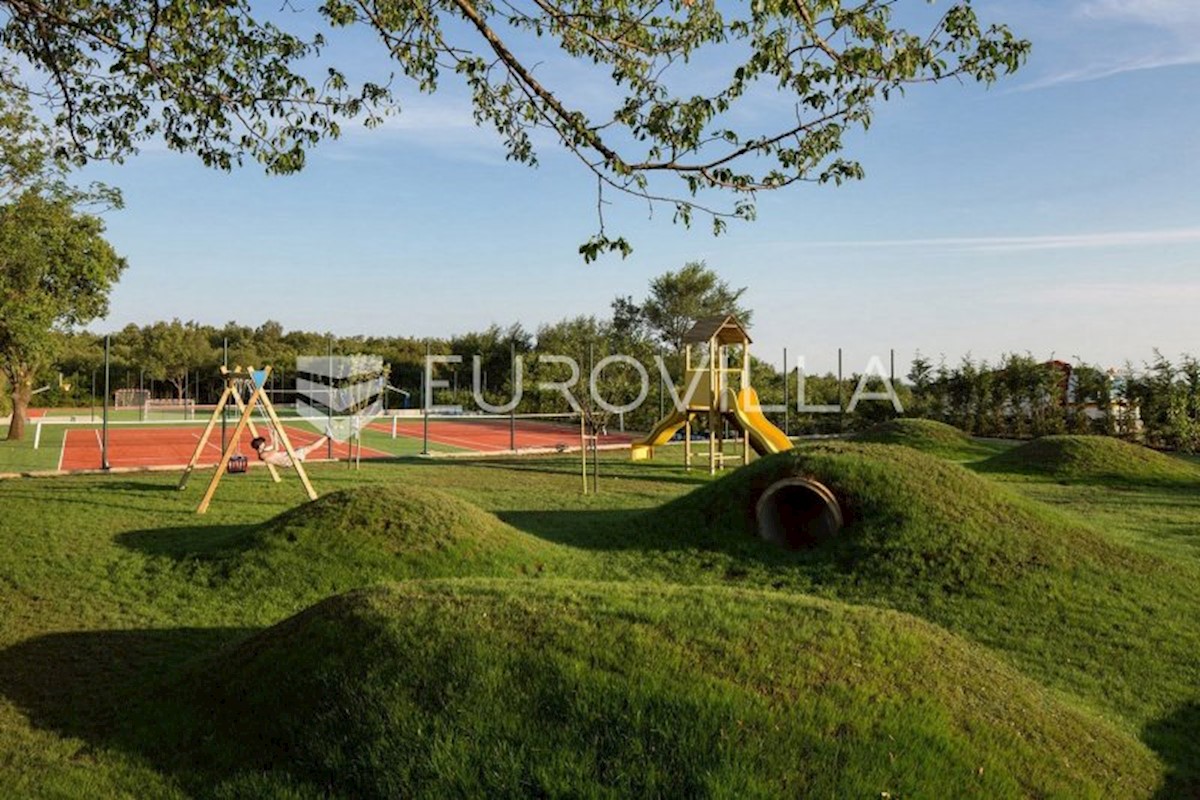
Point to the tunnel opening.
(798, 513)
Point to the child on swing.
(271, 454)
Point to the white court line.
(209, 443)
(63, 452)
(467, 444)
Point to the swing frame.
(233, 381)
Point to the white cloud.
(1159, 13)
(1124, 36)
(1107, 68)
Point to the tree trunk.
(178, 384)
(22, 392)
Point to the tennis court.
(168, 445)
(68, 444)
(494, 434)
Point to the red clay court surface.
(492, 435)
(169, 446)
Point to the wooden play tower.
(716, 389)
(717, 336)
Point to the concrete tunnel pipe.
(797, 513)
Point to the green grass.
(22, 457)
(639, 641)
(928, 436)
(1095, 459)
(1073, 605)
(512, 688)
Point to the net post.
(104, 438)
(512, 413)
(329, 402)
(426, 399)
(203, 440)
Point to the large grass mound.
(926, 435)
(382, 532)
(520, 689)
(1094, 459)
(1076, 608)
(912, 520)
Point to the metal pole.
(595, 432)
(512, 412)
(841, 404)
(787, 417)
(329, 403)
(104, 438)
(892, 371)
(424, 404)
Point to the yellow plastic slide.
(765, 438)
(661, 434)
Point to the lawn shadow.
(661, 531)
(1176, 739)
(143, 486)
(190, 542)
(103, 686)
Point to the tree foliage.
(613, 81)
(55, 272)
(170, 351)
(678, 299)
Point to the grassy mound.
(382, 532)
(1074, 607)
(912, 520)
(518, 689)
(1094, 459)
(928, 436)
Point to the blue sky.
(1057, 212)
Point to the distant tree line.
(1021, 396)
(181, 359)
(1017, 396)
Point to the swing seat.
(238, 465)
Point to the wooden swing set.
(232, 460)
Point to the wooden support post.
(745, 385)
(244, 422)
(254, 432)
(687, 425)
(225, 456)
(297, 464)
(229, 391)
(714, 401)
(208, 429)
(583, 450)
(687, 444)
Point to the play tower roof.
(724, 328)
